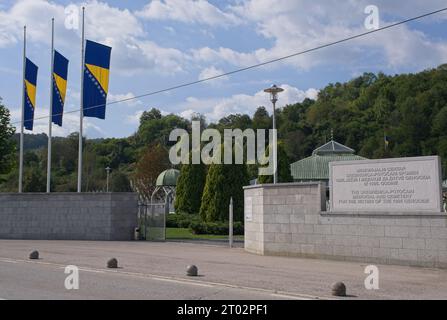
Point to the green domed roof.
(168, 178)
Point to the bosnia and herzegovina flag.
(60, 73)
(96, 79)
(30, 94)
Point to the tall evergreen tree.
(189, 189)
(224, 181)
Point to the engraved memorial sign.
(400, 184)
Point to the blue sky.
(160, 43)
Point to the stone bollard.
(192, 271)
(112, 263)
(34, 255)
(339, 289)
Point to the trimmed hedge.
(216, 228)
(181, 220)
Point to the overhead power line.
(187, 84)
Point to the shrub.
(216, 228)
(181, 220)
(238, 228)
(198, 227)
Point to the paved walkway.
(224, 273)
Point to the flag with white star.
(60, 73)
(96, 79)
(30, 94)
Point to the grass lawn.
(185, 233)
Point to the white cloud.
(132, 50)
(134, 119)
(295, 26)
(70, 124)
(187, 114)
(407, 48)
(291, 26)
(188, 11)
(287, 25)
(216, 108)
(171, 30)
(104, 21)
(127, 98)
(36, 14)
(100, 23)
(211, 72)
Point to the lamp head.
(273, 91)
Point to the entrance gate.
(152, 220)
(152, 215)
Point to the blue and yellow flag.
(60, 73)
(96, 79)
(30, 94)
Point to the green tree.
(261, 119)
(234, 121)
(34, 181)
(224, 181)
(153, 160)
(7, 145)
(283, 168)
(153, 114)
(190, 188)
(119, 182)
(155, 128)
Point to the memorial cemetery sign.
(399, 184)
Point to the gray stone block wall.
(68, 216)
(290, 219)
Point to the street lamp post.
(108, 174)
(273, 91)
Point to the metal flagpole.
(275, 137)
(81, 112)
(230, 227)
(23, 114)
(50, 122)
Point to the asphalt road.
(157, 271)
(24, 280)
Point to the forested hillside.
(410, 109)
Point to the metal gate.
(152, 220)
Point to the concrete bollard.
(112, 263)
(192, 271)
(34, 255)
(339, 289)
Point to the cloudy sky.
(161, 43)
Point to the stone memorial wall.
(68, 216)
(291, 220)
